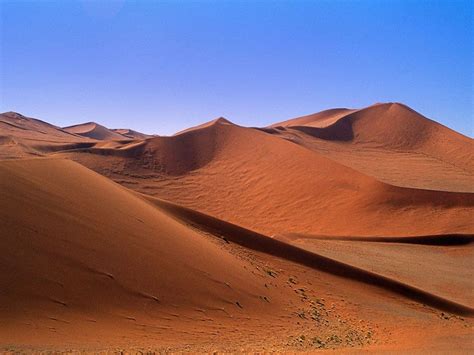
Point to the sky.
(162, 66)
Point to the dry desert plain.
(347, 230)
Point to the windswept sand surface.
(347, 229)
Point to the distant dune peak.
(95, 131)
(13, 114)
(222, 120)
(217, 121)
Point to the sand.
(347, 229)
(230, 172)
(95, 131)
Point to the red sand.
(88, 264)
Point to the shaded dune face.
(175, 155)
(169, 156)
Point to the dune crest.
(95, 131)
(130, 133)
(230, 172)
(394, 144)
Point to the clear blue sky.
(161, 66)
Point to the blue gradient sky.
(163, 66)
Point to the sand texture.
(348, 230)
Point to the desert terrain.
(348, 230)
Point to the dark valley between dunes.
(322, 232)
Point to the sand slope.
(22, 136)
(272, 185)
(87, 264)
(19, 126)
(393, 143)
(130, 133)
(78, 249)
(447, 259)
(95, 131)
(220, 247)
(320, 119)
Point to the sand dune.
(277, 248)
(130, 133)
(313, 233)
(321, 119)
(272, 185)
(219, 120)
(448, 259)
(89, 264)
(95, 131)
(19, 126)
(79, 249)
(22, 136)
(394, 144)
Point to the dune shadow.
(431, 240)
(261, 243)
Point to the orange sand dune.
(80, 251)
(95, 131)
(89, 265)
(130, 133)
(273, 185)
(448, 259)
(219, 120)
(314, 233)
(19, 126)
(394, 144)
(22, 136)
(321, 119)
(313, 260)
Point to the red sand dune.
(92, 252)
(138, 272)
(321, 119)
(130, 133)
(313, 233)
(393, 143)
(95, 131)
(271, 185)
(19, 126)
(22, 136)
